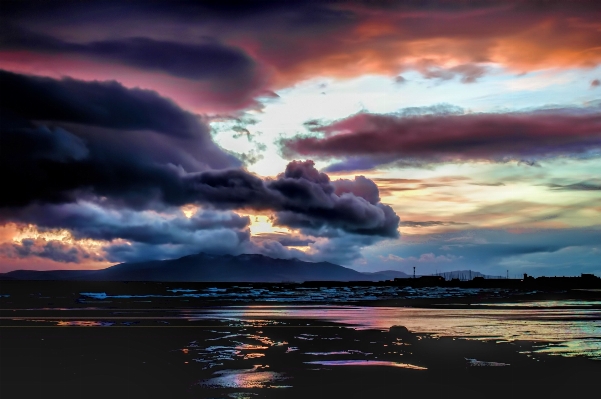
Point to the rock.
(400, 332)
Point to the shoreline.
(68, 294)
(156, 347)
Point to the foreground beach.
(129, 347)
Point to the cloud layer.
(237, 53)
(104, 134)
(366, 140)
(537, 252)
(114, 165)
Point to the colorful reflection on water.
(576, 330)
(366, 363)
(257, 377)
(83, 323)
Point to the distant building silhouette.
(584, 281)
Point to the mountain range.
(203, 267)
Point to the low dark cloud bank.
(228, 72)
(365, 140)
(109, 163)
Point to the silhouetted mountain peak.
(220, 268)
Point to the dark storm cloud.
(302, 198)
(63, 137)
(314, 202)
(210, 60)
(360, 186)
(98, 153)
(43, 143)
(367, 140)
(101, 104)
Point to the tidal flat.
(158, 340)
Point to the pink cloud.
(289, 42)
(454, 138)
(199, 96)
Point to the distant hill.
(48, 275)
(211, 268)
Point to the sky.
(378, 135)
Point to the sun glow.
(189, 210)
(261, 224)
(306, 248)
(31, 232)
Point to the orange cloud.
(518, 36)
(279, 46)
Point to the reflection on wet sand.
(83, 323)
(257, 377)
(334, 351)
(579, 329)
(347, 352)
(366, 363)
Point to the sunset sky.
(379, 135)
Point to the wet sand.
(121, 350)
(217, 360)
